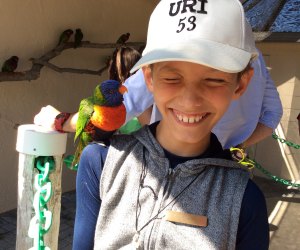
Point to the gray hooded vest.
(138, 187)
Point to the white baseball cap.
(213, 33)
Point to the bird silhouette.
(11, 64)
(78, 38)
(65, 36)
(123, 38)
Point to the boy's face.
(191, 98)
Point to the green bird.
(78, 38)
(99, 116)
(65, 36)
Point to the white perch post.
(34, 141)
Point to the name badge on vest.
(185, 218)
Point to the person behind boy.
(170, 185)
(120, 64)
(248, 120)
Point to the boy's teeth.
(190, 119)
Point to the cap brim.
(215, 55)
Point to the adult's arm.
(88, 200)
(261, 132)
(47, 115)
(271, 110)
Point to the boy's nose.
(191, 97)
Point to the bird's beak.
(122, 89)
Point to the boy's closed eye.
(216, 81)
(170, 79)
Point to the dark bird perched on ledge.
(78, 38)
(100, 115)
(123, 38)
(10, 64)
(65, 36)
(298, 118)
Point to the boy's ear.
(148, 77)
(243, 83)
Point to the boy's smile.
(191, 98)
(189, 119)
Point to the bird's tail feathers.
(82, 143)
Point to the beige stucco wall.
(30, 29)
(284, 62)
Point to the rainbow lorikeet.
(100, 115)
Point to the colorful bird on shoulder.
(100, 115)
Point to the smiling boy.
(170, 185)
(191, 98)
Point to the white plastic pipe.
(34, 141)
